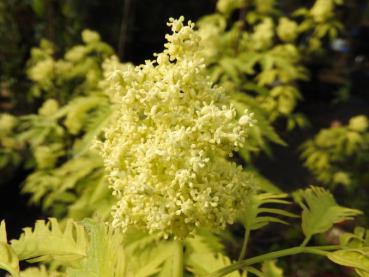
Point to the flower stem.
(306, 241)
(178, 259)
(244, 245)
(271, 256)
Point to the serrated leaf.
(205, 253)
(152, 259)
(95, 125)
(147, 254)
(320, 210)
(3, 234)
(270, 269)
(256, 216)
(204, 242)
(356, 258)
(174, 263)
(106, 255)
(49, 241)
(136, 241)
(52, 186)
(354, 252)
(8, 258)
(202, 264)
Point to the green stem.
(178, 259)
(306, 241)
(244, 245)
(270, 256)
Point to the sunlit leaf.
(320, 210)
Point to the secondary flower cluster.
(167, 153)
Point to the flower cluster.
(167, 154)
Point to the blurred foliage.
(77, 74)
(339, 155)
(261, 56)
(55, 143)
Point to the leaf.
(152, 259)
(53, 185)
(78, 111)
(362, 273)
(202, 264)
(174, 263)
(230, 68)
(147, 254)
(320, 210)
(356, 258)
(49, 241)
(358, 239)
(204, 242)
(204, 254)
(270, 269)
(355, 252)
(260, 134)
(136, 241)
(106, 255)
(95, 125)
(3, 234)
(95, 198)
(38, 7)
(8, 258)
(256, 216)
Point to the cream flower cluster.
(167, 153)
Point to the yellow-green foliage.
(355, 252)
(320, 211)
(319, 22)
(80, 249)
(55, 142)
(77, 74)
(338, 155)
(8, 144)
(258, 56)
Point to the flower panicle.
(167, 153)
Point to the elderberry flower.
(167, 153)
